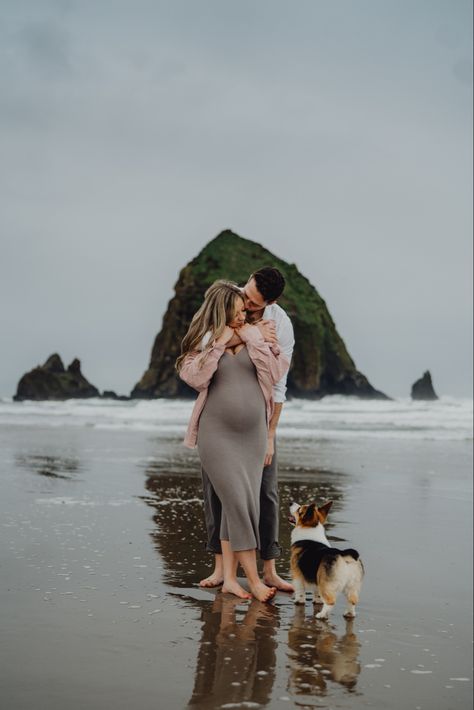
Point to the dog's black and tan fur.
(317, 566)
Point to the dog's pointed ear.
(309, 512)
(324, 510)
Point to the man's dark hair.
(270, 282)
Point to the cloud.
(47, 49)
(462, 70)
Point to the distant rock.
(423, 388)
(110, 394)
(321, 363)
(52, 381)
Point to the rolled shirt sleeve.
(286, 341)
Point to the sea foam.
(332, 418)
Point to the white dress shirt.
(286, 341)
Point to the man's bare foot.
(263, 593)
(214, 580)
(235, 588)
(274, 580)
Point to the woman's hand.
(246, 328)
(235, 340)
(226, 336)
(251, 334)
(270, 452)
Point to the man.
(260, 295)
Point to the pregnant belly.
(236, 408)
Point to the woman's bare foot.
(261, 592)
(274, 580)
(214, 580)
(234, 587)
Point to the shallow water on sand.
(102, 547)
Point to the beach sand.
(102, 547)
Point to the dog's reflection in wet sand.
(236, 660)
(318, 656)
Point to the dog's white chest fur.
(316, 534)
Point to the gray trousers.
(269, 513)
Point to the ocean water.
(333, 418)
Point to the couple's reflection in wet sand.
(237, 653)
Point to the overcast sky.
(337, 133)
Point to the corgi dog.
(317, 566)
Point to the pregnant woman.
(230, 419)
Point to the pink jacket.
(269, 362)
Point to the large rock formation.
(423, 388)
(321, 364)
(52, 381)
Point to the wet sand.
(102, 547)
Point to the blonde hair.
(218, 309)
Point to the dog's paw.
(322, 615)
(349, 615)
(299, 600)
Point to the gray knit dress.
(232, 440)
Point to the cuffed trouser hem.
(271, 553)
(214, 549)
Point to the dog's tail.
(352, 557)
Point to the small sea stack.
(423, 388)
(53, 381)
(110, 394)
